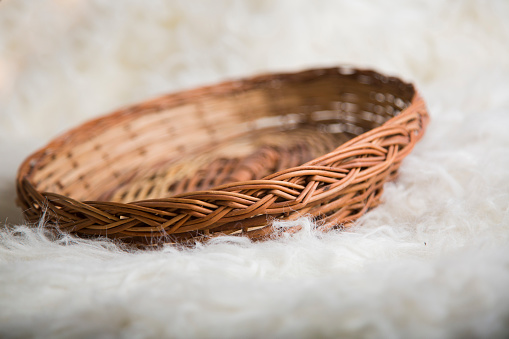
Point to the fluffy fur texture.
(431, 262)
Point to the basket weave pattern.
(227, 159)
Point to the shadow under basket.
(228, 159)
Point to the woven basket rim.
(211, 89)
(226, 88)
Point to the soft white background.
(431, 262)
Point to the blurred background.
(64, 61)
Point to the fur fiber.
(431, 262)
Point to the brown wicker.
(229, 158)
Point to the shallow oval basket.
(228, 159)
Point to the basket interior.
(236, 131)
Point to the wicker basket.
(227, 159)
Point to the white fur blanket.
(431, 262)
